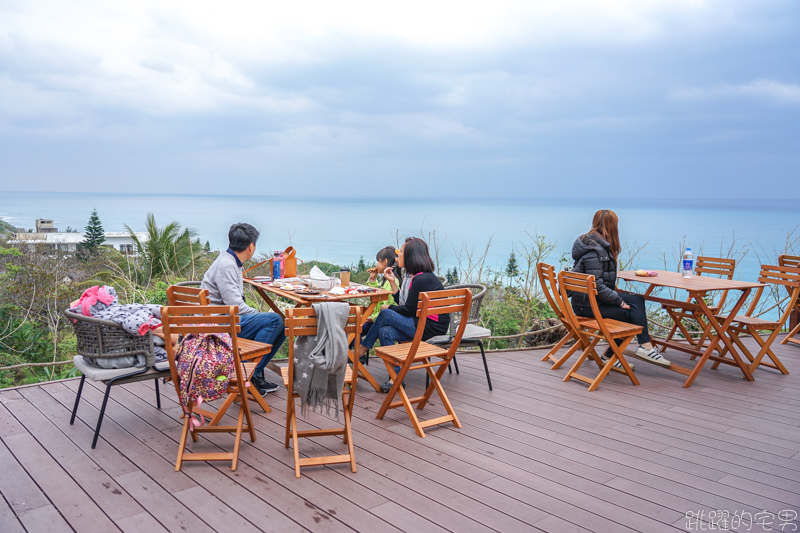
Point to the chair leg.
(158, 395)
(455, 363)
(100, 418)
(77, 399)
(485, 366)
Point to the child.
(386, 258)
(398, 323)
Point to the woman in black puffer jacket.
(596, 253)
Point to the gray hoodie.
(224, 283)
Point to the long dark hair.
(389, 254)
(416, 257)
(605, 223)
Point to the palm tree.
(167, 251)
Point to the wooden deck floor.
(534, 454)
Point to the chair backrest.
(788, 277)
(194, 319)
(440, 303)
(549, 284)
(302, 322)
(186, 295)
(789, 261)
(577, 282)
(715, 266)
(478, 292)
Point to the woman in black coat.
(596, 253)
(398, 323)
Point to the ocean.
(340, 231)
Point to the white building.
(69, 242)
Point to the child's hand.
(373, 275)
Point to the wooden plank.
(140, 523)
(72, 502)
(45, 520)
(279, 490)
(99, 486)
(18, 488)
(9, 522)
(164, 507)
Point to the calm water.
(340, 231)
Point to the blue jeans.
(263, 327)
(390, 327)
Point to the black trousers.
(635, 315)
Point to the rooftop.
(534, 454)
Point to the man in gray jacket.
(225, 287)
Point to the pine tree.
(94, 234)
(452, 276)
(362, 266)
(208, 247)
(512, 268)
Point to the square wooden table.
(375, 298)
(698, 287)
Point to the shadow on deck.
(534, 454)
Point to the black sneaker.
(263, 386)
(364, 359)
(386, 386)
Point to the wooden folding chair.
(300, 322)
(723, 268)
(742, 324)
(250, 352)
(794, 262)
(591, 332)
(549, 285)
(185, 320)
(418, 355)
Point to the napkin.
(338, 291)
(317, 273)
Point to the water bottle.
(687, 263)
(276, 265)
(283, 265)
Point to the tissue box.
(322, 284)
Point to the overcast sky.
(630, 98)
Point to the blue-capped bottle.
(687, 263)
(276, 265)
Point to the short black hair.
(416, 257)
(241, 235)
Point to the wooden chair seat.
(591, 331)
(217, 319)
(789, 278)
(615, 327)
(417, 355)
(749, 321)
(679, 312)
(398, 353)
(549, 284)
(348, 375)
(302, 322)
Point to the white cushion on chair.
(95, 373)
(163, 365)
(476, 332)
(470, 332)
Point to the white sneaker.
(616, 364)
(652, 355)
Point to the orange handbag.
(289, 263)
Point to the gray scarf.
(320, 362)
(404, 289)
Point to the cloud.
(177, 94)
(771, 90)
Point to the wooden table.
(698, 287)
(375, 298)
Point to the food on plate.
(306, 291)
